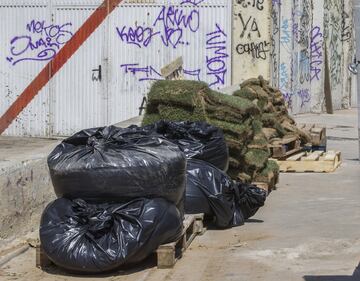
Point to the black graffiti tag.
(249, 27)
(256, 50)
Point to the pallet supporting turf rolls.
(284, 147)
(317, 133)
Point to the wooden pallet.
(174, 70)
(285, 147)
(169, 254)
(42, 261)
(316, 162)
(317, 133)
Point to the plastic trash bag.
(210, 191)
(92, 238)
(117, 164)
(251, 198)
(197, 140)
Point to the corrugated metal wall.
(77, 96)
(107, 78)
(105, 81)
(21, 62)
(202, 37)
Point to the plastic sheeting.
(210, 191)
(251, 198)
(117, 164)
(197, 140)
(92, 238)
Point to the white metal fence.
(105, 81)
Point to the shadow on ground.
(148, 263)
(354, 277)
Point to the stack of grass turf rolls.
(239, 118)
(277, 123)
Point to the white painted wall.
(131, 46)
(251, 45)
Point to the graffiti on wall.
(172, 26)
(316, 50)
(216, 42)
(250, 35)
(295, 66)
(40, 41)
(305, 32)
(169, 26)
(151, 73)
(253, 47)
(275, 39)
(333, 26)
(346, 27)
(285, 53)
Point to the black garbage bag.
(251, 199)
(117, 164)
(92, 238)
(197, 140)
(210, 191)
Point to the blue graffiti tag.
(139, 36)
(192, 2)
(169, 26)
(216, 62)
(150, 73)
(42, 42)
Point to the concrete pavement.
(309, 230)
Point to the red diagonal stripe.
(58, 62)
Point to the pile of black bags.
(123, 192)
(120, 193)
(197, 140)
(209, 189)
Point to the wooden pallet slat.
(316, 162)
(317, 134)
(314, 156)
(296, 156)
(174, 70)
(284, 147)
(42, 261)
(330, 156)
(169, 254)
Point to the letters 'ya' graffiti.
(251, 39)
